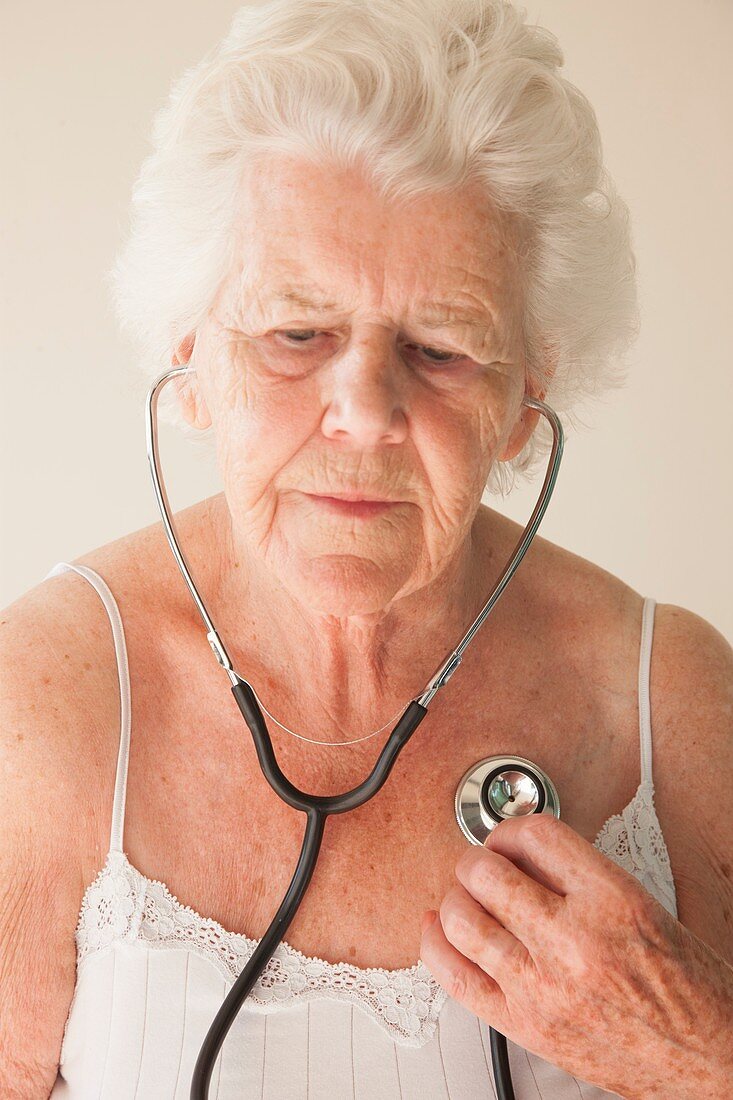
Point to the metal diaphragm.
(500, 787)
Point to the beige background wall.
(645, 490)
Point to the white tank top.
(152, 974)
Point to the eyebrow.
(433, 314)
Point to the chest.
(201, 817)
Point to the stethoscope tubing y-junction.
(318, 807)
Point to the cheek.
(259, 431)
(457, 448)
(260, 422)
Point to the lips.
(353, 505)
(351, 496)
(358, 496)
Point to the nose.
(365, 392)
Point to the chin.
(344, 584)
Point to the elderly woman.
(371, 229)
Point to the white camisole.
(152, 973)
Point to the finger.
(549, 850)
(481, 938)
(525, 908)
(461, 978)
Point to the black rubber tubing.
(500, 1062)
(317, 808)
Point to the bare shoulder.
(692, 713)
(691, 695)
(583, 608)
(60, 689)
(59, 736)
(58, 701)
(55, 688)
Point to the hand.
(567, 955)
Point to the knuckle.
(476, 873)
(457, 984)
(642, 913)
(455, 923)
(533, 832)
(637, 910)
(539, 828)
(514, 958)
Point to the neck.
(327, 677)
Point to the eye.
(297, 333)
(303, 336)
(449, 356)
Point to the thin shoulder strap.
(645, 660)
(118, 809)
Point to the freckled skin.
(580, 949)
(359, 407)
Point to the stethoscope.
(490, 791)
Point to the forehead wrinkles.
(477, 270)
(467, 299)
(332, 221)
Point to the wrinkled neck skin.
(337, 677)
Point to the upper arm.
(692, 741)
(42, 780)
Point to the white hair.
(425, 95)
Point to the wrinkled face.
(359, 348)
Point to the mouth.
(350, 504)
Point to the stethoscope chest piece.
(500, 787)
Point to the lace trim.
(123, 904)
(633, 839)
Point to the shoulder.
(688, 644)
(592, 615)
(59, 703)
(691, 696)
(58, 700)
(59, 683)
(59, 667)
